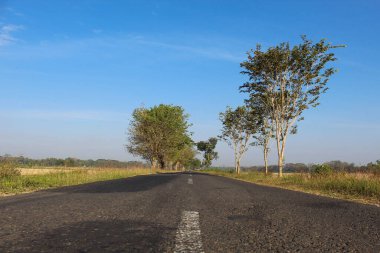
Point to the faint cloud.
(64, 48)
(65, 115)
(97, 31)
(14, 12)
(203, 51)
(6, 33)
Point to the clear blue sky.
(71, 72)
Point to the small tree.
(288, 81)
(239, 125)
(264, 128)
(208, 147)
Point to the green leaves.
(208, 147)
(160, 134)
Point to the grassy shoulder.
(58, 177)
(363, 188)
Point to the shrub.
(374, 167)
(322, 170)
(8, 169)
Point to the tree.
(239, 125)
(288, 81)
(265, 128)
(183, 157)
(208, 147)
(194, 163)
(158, 134)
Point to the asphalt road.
(184, 213)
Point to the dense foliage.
(160, 135)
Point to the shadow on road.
(98, 236)
(134, 184)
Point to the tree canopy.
(161, 135)
(239, 126)
(208, 149)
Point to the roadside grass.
(364, 188)
(64, 177)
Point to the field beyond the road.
(361, 187)
(43, 178)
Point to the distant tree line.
(336, 166)
(21, 161)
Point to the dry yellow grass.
(56, 177)
(42, 171)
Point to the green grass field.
(361, 187)
(28, 183)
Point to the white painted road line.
(190, 181)
(188, 238)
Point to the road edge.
(311, 192)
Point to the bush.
(322, 170)
(8, 169)
(374, 167)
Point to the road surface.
(184, 213)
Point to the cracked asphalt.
(142, 214)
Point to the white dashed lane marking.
(190, 181)
(188, 237)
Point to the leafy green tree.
(194, 163)
(184, 157)
(239, 125)
(159, 134)
(288, 81)
(208, 147)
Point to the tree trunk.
(280, 165)
(154, 166)
(162, 164)
(238, 166)
(280, 151)
(266, 160)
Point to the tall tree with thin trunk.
(239, 125)
(264, 128)
(263, 138)
(288, 81)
